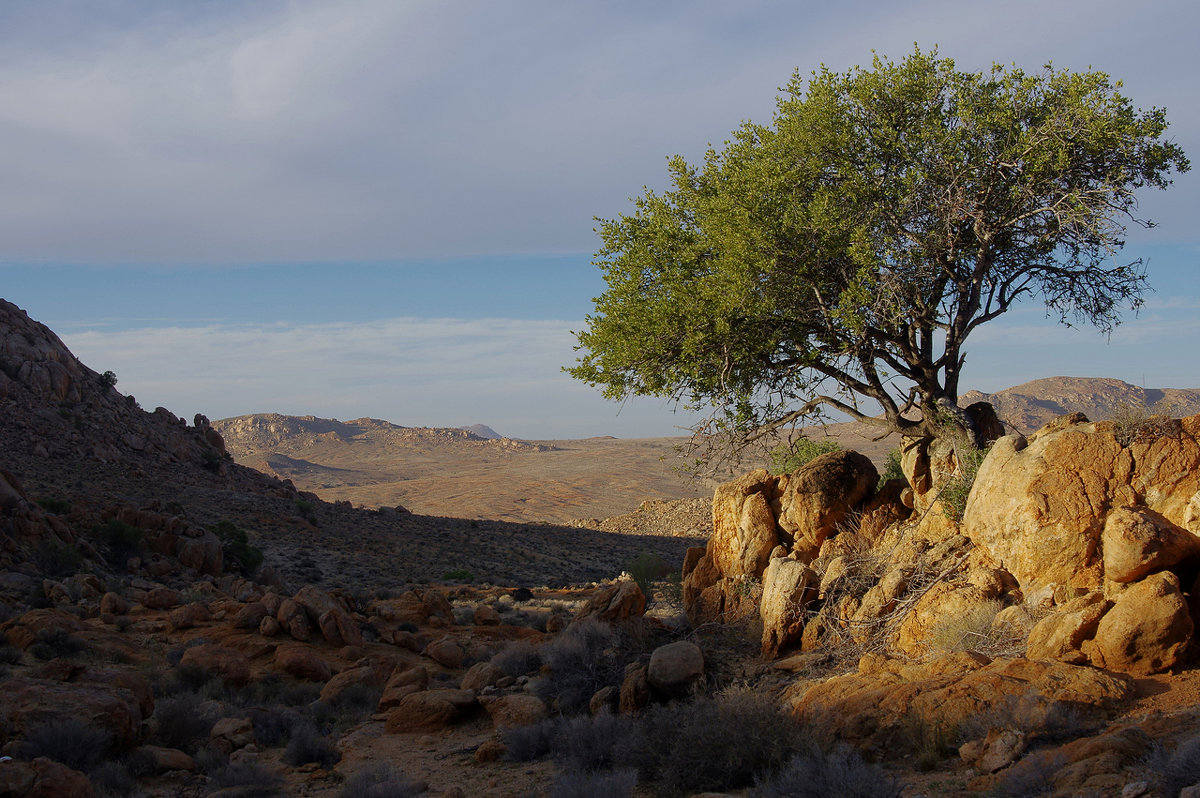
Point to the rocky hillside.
(1031, 405)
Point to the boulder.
(676, 668)
(230, 734)
(339, 629)
(617, 602)
(26, 702)
(788, 587)
(162, 760)
(1146, 631)
(402, 683)
(446, 652)
(250, 616)
(230, 664)
(819, 495)
(293, 619)
(480, 675)
(301, 661)
(1138, 541)
(517, 709)
(635, 690)
(430, 710)
(160, 598)
(188, 615)
(43, 778)
(874, 708)
(486, 615)
(1061, 635)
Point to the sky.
(386, 208)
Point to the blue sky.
(372, 207)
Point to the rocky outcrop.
(1041, 506)
(1147, 629)
(756, 513)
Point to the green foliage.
(108, 379)
(458, 575)
(53, 505)
(955, 490)
(845, 252)
(645, 569)
(892, 469)
(55, 558)
(787, 458)
(236, 546)
(124, 540)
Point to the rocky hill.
(1031, 405)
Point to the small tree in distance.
(840, 257)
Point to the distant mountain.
(483, 431)
(1029, 406)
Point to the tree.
(839, 258)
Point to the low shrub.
(813, 774)
(52, 643)
(69, 741)
(381, 780)
(308, 745)
(580, 660)
(54, 558)
(594, 784)
(518, 658)
(957, 488)
(1139, 423)
(273, 725)
(596, 743)
(54, 505)
(686, 747)
(235, 545)
(787, 458)
(645, 569)
(527, 743)
(181, 723)
(251, 780)
(123, 540)
(114, 780)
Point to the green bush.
(458, 575)
(956, 489)
(108, 379)
(53, 505)
(123, 540)
(645, 569)
(892, 468)
(787, 458)
(236, 547)
(54, 558)
(69, 741)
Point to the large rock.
(875, 708)
(1138, 541)
(788, 587)
(1146, 631)
(1061, 634)
(676, 668)
(430, 710)
(757, 512)
(230, 664)
(518, 709)
(1041, 507)
(114, 710)
(43, 778)
(301, 662)
(619, 601)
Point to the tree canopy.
(839, 257)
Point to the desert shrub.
(381, 780)
(1042, 719)
(108, 379)
(123, 540)
(69, 741)
(974, 629)
(527, 743)
(813, 774)
(583, 658)
(114, 780)
(1031, 776)
(1139, 423)
(181, 723)
(308, 745)
(458, 575)
(51, 643)
(54, 505)
(957, 488)
(273, 725)
(357, 702)
(236, 547)
(10, 655)
(892, 468)
(296, 694)
(55, 558)
(1175, 769)
(517, 659)
(789, 457)
(645, 569)
(596, 743)
(687, 747)
(251, 779)
(594, 784)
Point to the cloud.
(370, 129)
(414, 372)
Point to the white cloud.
(414, 372)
